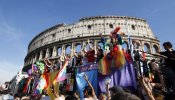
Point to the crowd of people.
(155, 78)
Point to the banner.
(124, 77)
(87, 67)
(91, 71)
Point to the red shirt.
(90, 55)
(115, 48)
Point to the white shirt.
(7, 97)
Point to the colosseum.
(59, 39)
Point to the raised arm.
(145, 87)
(47, 62)
(107, 92)
(90, 46)
(75, 54)
(56, 94)
(93, 91)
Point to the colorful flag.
(34, 68)
(61, 74)
(41, 85)
(27, 85)
(46, 76)
(40, 67)
(116, 30)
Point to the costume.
(116, 65)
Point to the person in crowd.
(89, 92)
(70, 97)
(169, 69)
(78, 58)
(108, 94)
(153, 66)
(77, 95)
(57, 64)
(102, 96)
(114, 90)
(49, 64)
(69, 58)
(146, 89)
(29, 98)
(149, 92)
(115, 56)
(16, 97)
(118, 93)
(7, 96)
(158, 95)
(99, 53)
(45, 95)
(61, 94)
(155, 71)
(90, 54)
(125, 96)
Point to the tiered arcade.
(58, 39)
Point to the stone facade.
(54, 41)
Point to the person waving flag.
(62, 73)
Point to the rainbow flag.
(27, 85)
(61, 74)
(104, 65)
(41, 85)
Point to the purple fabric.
(124, 77)
(29, 71)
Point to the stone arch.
(78, 47)
(100, 44)
(125, 45)
(146, 48)
(111, 25)
(138, 45)
(50, 52)
(89, 27)
(37, 55)
(91, 43)
(155, 48)
(68, 49)
(44, 54)
(59, 50)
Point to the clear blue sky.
(21, 20)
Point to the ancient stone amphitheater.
(59, 39)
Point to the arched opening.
(69, 30)
(110, 26)
(147, 48)
(59, 50)
(87, 45)
(155, 49)
(50, 52)
(68, 49)
(44, 54)
(125, 45)
(133, 27)
(89, 27)
(137, 45)
(37, 56)
(78, 47)
(100, 44)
